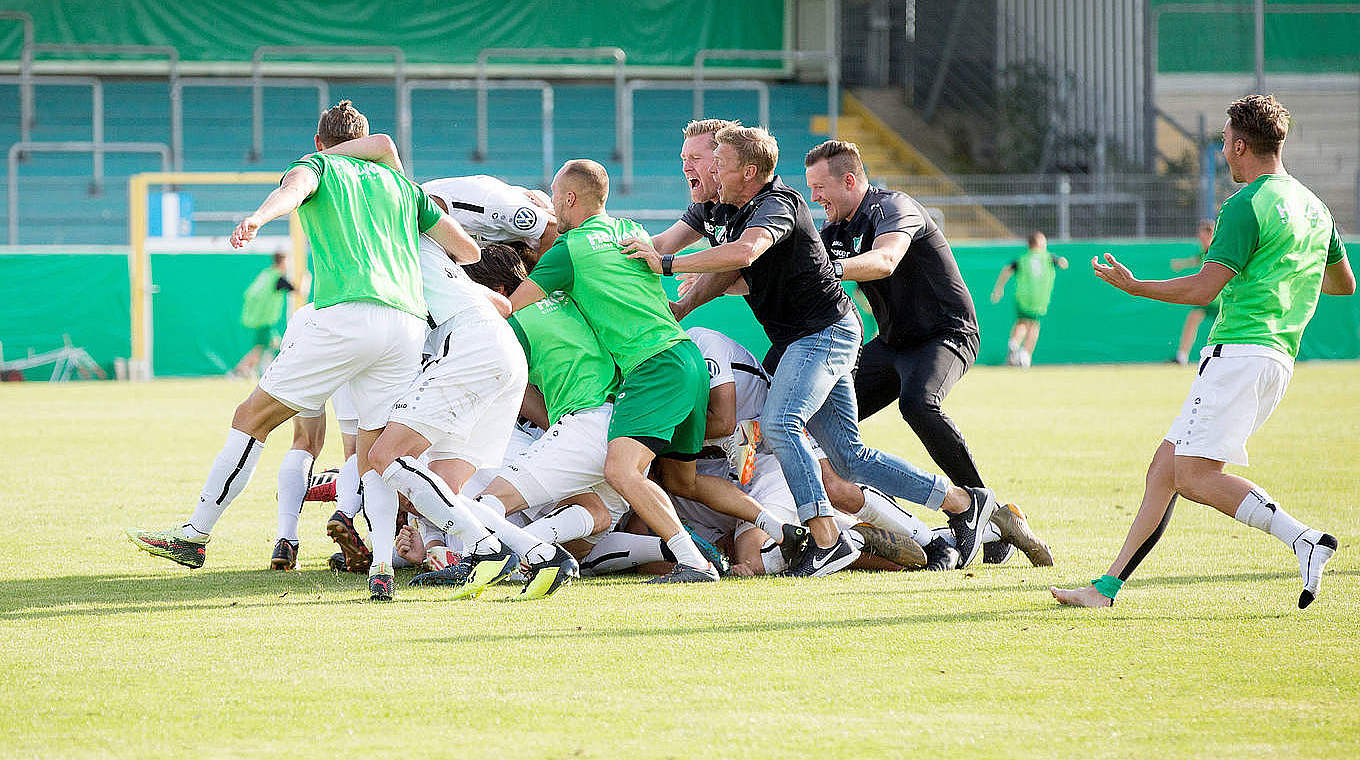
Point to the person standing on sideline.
(1197, 314)
(260, 312)
(1034, 273)
(1275, 251)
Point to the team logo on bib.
(525, 219)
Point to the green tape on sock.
(1108, 586)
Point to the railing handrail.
(403, 109)
(620, 73)
(257, 117)
(548, 100)
(12, 180)
(96, 112)
(763, 108)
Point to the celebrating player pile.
(563, 422)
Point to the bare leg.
(1188, 333)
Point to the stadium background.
(993, 111)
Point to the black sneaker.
(452, 574)
(486, 569)
(685, 574)
(341, 530)
(940, 556)
(710, 551)
(795, 538)
(997, 552)
(380, 582)
(171, 544)
(337, 563)
(967, 525)
(891, 546)
(817, 561)
(549, 575)
(285, 555)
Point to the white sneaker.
(1314, 548)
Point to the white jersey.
(489, 209)
(448, 289)
(729, 362)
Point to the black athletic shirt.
(794, 293)
(708, 219)
(925, 297)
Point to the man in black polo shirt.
(927, 326)
(771, 243)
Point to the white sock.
(348, 498)
(295, 474)
(566, 524)
(1261, 512)
(380, 505)
(773, 526)
(434, 499)
(772, 558)
(887, 515)
(230, 473)
(855, 539)
(682, 546)
(616, 552)
(527, 545)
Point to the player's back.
(621, 298)
(488, 208)
(363, 222)
(566, 360)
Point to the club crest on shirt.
(525, 219)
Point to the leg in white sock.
(616, 552)
(347, 495)
(230, 473)
(295, 474)
(566, 524)
(436, 501)
(380, 502)
(883, 513)
(527, 545)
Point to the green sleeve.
(312, 161)
(554, 271)
(1336, 250)
(519, 334)
(427, 214)
(1235, 235)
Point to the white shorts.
(568, 459)
(372, 346)
(346, 416)
(1237, 388)
(467, 396)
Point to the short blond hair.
(700, 127)
(587, 179)
(841, 157)
(754, 147)
(341, 122)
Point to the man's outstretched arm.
(378, 148)
(297, 186)
(1198, 289)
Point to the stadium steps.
(897, 164)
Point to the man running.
(1275, 250)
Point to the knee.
(677, 482)
(619, 474)
(381, 456)
(919, 409)
(1189, 478)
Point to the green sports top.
(1034, 276)
(621, 298)
(263, 302)
(566, 360)
(363, 223)
(1278, 238)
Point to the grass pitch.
(112, 653)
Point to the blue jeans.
(813, 388)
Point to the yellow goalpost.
(139, 258)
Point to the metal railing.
(403, 108)
(67, 147)
(25, 93)
(547, 98)
(257, 113)
(761, 89)
(26, 118)
(96, 114)
(833, 96)
(620, 59)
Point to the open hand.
(638, 248)
(1114, 273)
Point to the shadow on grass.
(1137, 582)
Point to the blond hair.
(700, 127)
(754, 147)
(841, 157)
(588, 179)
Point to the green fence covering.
(1221, 37)
(198, 304)
(651, 32)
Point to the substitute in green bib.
(662, 402)
(261, 309)
(1275, 251)
(1035, 272)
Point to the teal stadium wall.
(197, 331)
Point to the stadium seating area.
(56, 204)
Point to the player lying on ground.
(1275, 250)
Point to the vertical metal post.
(25, 62)
(699, 85)
(833, 67)
(549, 108)
(480, 152)
(97, 135)
(256, 112)
(619, 84)
(909, 54)
(176, 116)
(1064, 207)
(1150, 17)
(1259, 13)
(1206, 169)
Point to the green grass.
(110, 652)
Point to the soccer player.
(362, 221)
(1275, 250)
(927, 327)
(772, 244)
(495, 212)
(260, 311)
(1034, 273)
(660, 406)
(1197, 314)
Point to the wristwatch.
(838, 268)
(666, 261)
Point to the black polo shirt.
(794, 292)
(709, 219)
(925, 297)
